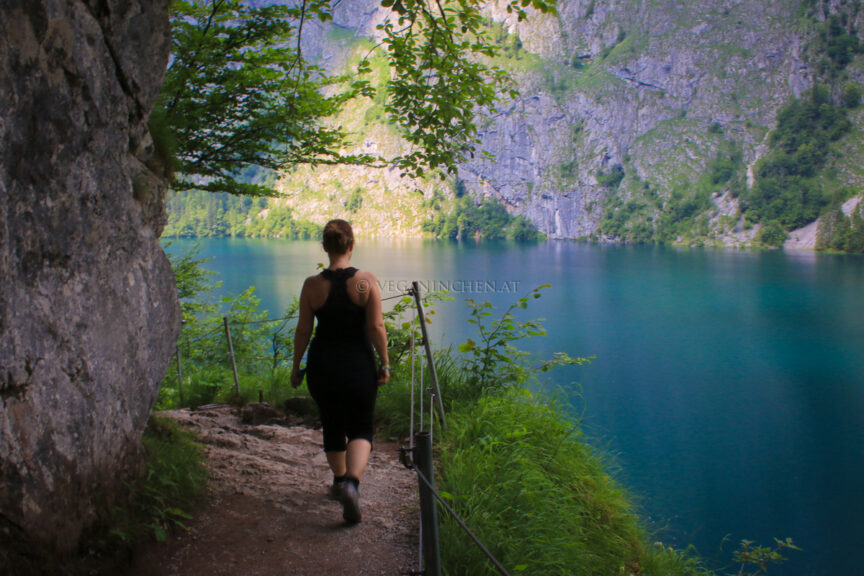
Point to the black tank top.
(341, 321)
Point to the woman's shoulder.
(364, 283)
(314, 282)
(364, 275)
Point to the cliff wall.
(88, 307)
(635, 84)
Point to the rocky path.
(266, 511)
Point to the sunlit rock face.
(88, 309)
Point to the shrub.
(771, 235)
(611, 179)
(787, 188)
(175, 476)
(851, 95)
(488, 220)
(263, 348)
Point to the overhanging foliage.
(240, 93)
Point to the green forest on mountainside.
(199, 214)
(447, 211)
(794, 182)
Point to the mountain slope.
(638, 120)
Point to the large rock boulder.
(88, 308)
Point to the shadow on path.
(266, 510)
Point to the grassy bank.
(517, 468)
(524, 478)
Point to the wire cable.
(402, 295)
(203, 336)
(265, 321)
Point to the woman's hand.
(297, 377)
(383, 375)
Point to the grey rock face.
(651, 90)
(637, 84)
(88, 308)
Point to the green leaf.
(467, 346)
(159, 533)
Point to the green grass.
(393, 407)
(521, 475)
(627, 49)
(596, 80)
(175, 476)
(161, 501)
(676, 149)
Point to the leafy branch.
(752, 554)
(240, 93)
(495, 361)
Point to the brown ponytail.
(338, 237)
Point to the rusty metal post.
(428, 510)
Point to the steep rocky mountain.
(638, 85)
(650, 90)
(637, 120)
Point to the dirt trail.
(266, 510)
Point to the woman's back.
(340, 320)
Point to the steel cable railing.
(419, 455)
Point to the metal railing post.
(179, 376)
(428, 510)
(231, 354)
(439, 405)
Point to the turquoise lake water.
(728, 385)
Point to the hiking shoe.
(350, 500)
(335, 492)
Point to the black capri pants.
(343, 381)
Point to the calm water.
(728, 385)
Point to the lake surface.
(728, 385)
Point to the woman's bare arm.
(375, 322)
(303, 333)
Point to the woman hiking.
(342, 374)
